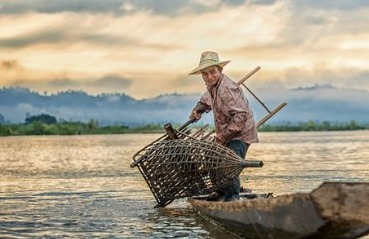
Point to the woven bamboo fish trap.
(187, 165)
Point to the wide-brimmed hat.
(208, 58)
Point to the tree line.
(314, 126)
(48, 125)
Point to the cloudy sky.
(145, 48)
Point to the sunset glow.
(147, 48)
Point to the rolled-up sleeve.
(204, 104)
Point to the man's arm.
(202, 106)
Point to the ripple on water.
(83, 186)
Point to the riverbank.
(73, 128)
(92, 127)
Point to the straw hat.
(208, 58)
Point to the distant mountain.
(328, 103)
(18, 103)
(318, 103)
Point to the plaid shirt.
(233, 117)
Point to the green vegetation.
(314, 126)
(43, 118)
(47, 126)
(72, 128)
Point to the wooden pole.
(273, 112)
(248, 75)
(267, 117)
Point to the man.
(234, 120)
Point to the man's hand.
(195, 116)
(220, 139)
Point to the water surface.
(83, 186)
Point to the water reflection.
(83, 186)
(295, 162)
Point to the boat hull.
(334, 210)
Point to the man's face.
(211, 75)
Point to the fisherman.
(233, 118)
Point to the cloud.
(111, 81)
(57, 84)
(63, 33)
(26, 107)
(318, 24)
(262, 2)
(55, 6)
(121, 7)
(10, 69)
(32, 39)
(106, 84)
(150, 46)
(330, 4)
(62, 37)
(9, 65)
(279, 82)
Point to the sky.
(146, 48)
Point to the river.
(83, 186)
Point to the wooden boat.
(333, 210)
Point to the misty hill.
(17, 103)
(318, 103)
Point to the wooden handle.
(273, 112)
(248, 75)
(190, 121)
